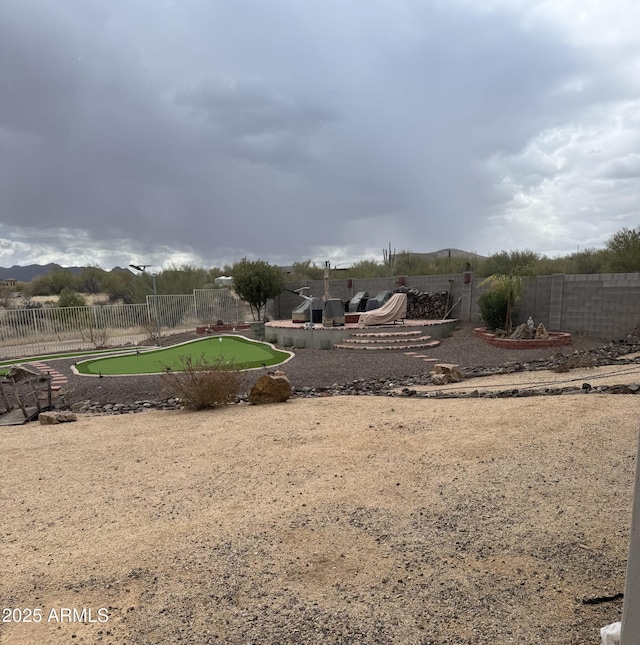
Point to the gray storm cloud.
(279, 129)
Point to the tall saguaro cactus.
(388, 257)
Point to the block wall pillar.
(555, 308)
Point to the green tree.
(91, 280)
(623, 251)
(454, 264)
(587, 261)
(510, 288)
(506, 262)
(367, 269)
(257, 282)
(181, 279)
(548, 266)
(306, 270)
(123, 286)
(52, 283)
(493, 308)
(212, 274)
(409, 263)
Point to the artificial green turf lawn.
(239, 352)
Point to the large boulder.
(521, 332)
(56, 416)
(270, 388)
(439, 379)
(541, 332)
(444, 373)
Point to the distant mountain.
(450, 253)
(27, 273)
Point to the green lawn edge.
(156, 360)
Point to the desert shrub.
(493, 309)
(70, 298)
(203, 384)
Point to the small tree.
(256, 283)
(493, 309)
(510, 287)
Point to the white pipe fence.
(33, 331)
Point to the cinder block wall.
(605, 305)
(280, 308)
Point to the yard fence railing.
(36, 331)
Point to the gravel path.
(322, 368)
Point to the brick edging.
(556, 339)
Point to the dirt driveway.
(332, 520)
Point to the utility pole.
(327, 266)
(143, 269)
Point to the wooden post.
(19, 400)
(35, 395)
(4, 398)
(326, 295)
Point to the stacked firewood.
(425, 306)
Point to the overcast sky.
(202, 131)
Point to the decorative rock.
(270, 388)
(521, 332)
(439, 379)
(451, 372)
(541, 332)
(56, 416)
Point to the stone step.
(431, 343)
(57, 379)
(380, 341)
(385, 334)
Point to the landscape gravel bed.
(318, 372)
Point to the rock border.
(403, 387)
(556, 339)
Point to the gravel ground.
(339, 520)
(322, 368)
(343, 520)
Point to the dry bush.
(97, 336)
(203, 384)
